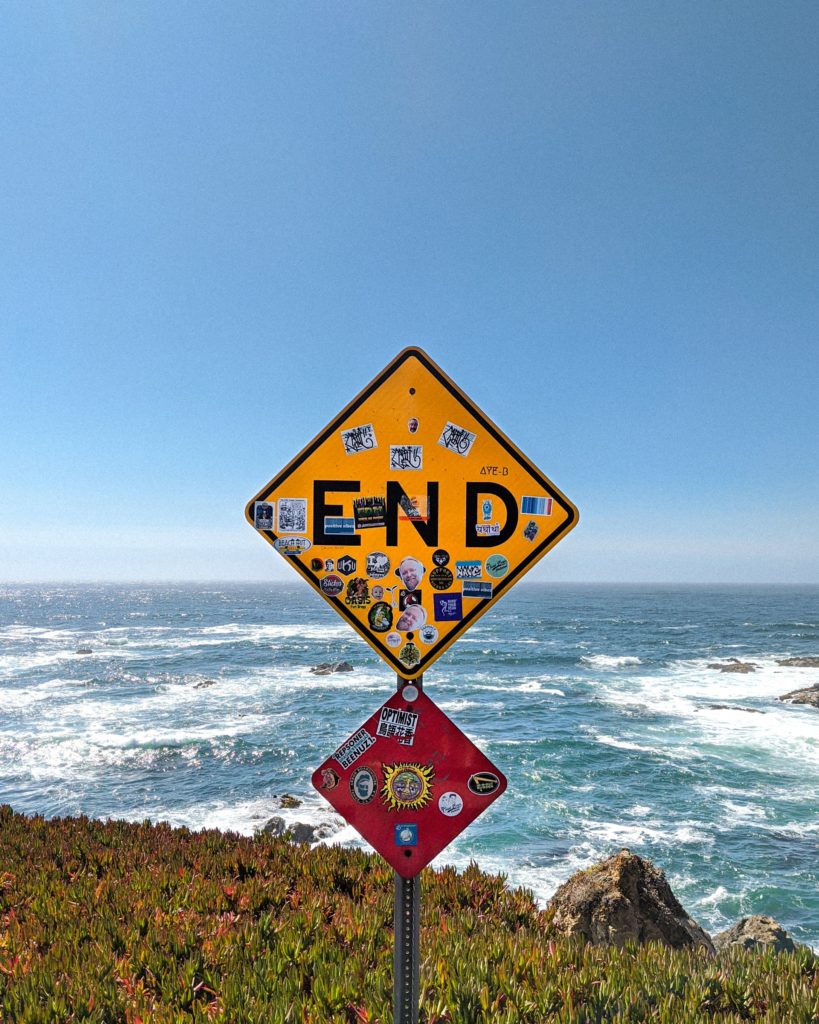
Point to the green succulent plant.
(105, 922)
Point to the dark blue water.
(197, 706)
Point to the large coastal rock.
(802, 662)
(756, 932)
(810, 695)
(621, 899)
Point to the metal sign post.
(406, 959)
(406, 956)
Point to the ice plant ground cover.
(115, 921)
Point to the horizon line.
(192, 581)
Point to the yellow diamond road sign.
(411, 513)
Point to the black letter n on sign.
(508, 499)
(428, 530)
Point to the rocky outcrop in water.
(622, 899)
(733, 707)
(798, 662)
(286, 800)
(326, 668)
(810, 695)
(756, 932)
(734, 665)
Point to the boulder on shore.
(803, 662)
(756, 932)
(326, 668)
(622, 899)
(810, 695)
(300, 831)
(734, 665)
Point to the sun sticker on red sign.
(411, 513)
(409, 781)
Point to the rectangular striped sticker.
(536, 506)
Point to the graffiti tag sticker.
(406, 456)
(457, 439)
(358, 439)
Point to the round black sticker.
(441, 578)
(440, 557)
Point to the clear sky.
(220, 220)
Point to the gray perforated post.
(406, 960)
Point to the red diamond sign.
(409, 781)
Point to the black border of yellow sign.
(501, 586)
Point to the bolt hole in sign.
(409, 781)
(411, 513)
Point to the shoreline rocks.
(301, 831)
(627, 899)
(756, 932)
(809, 695)
(803, 662)
(622, 899)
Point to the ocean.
(196, 705)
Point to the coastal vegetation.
(105, 922)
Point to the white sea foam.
(612, 741)
(536, 686)
(736, 813)
(633, 834)
(461, 704)
(610, 660)
(713, 898)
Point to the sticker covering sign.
(411, 490)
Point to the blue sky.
(219, 222)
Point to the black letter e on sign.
(320, 510)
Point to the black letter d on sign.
(472, 492)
